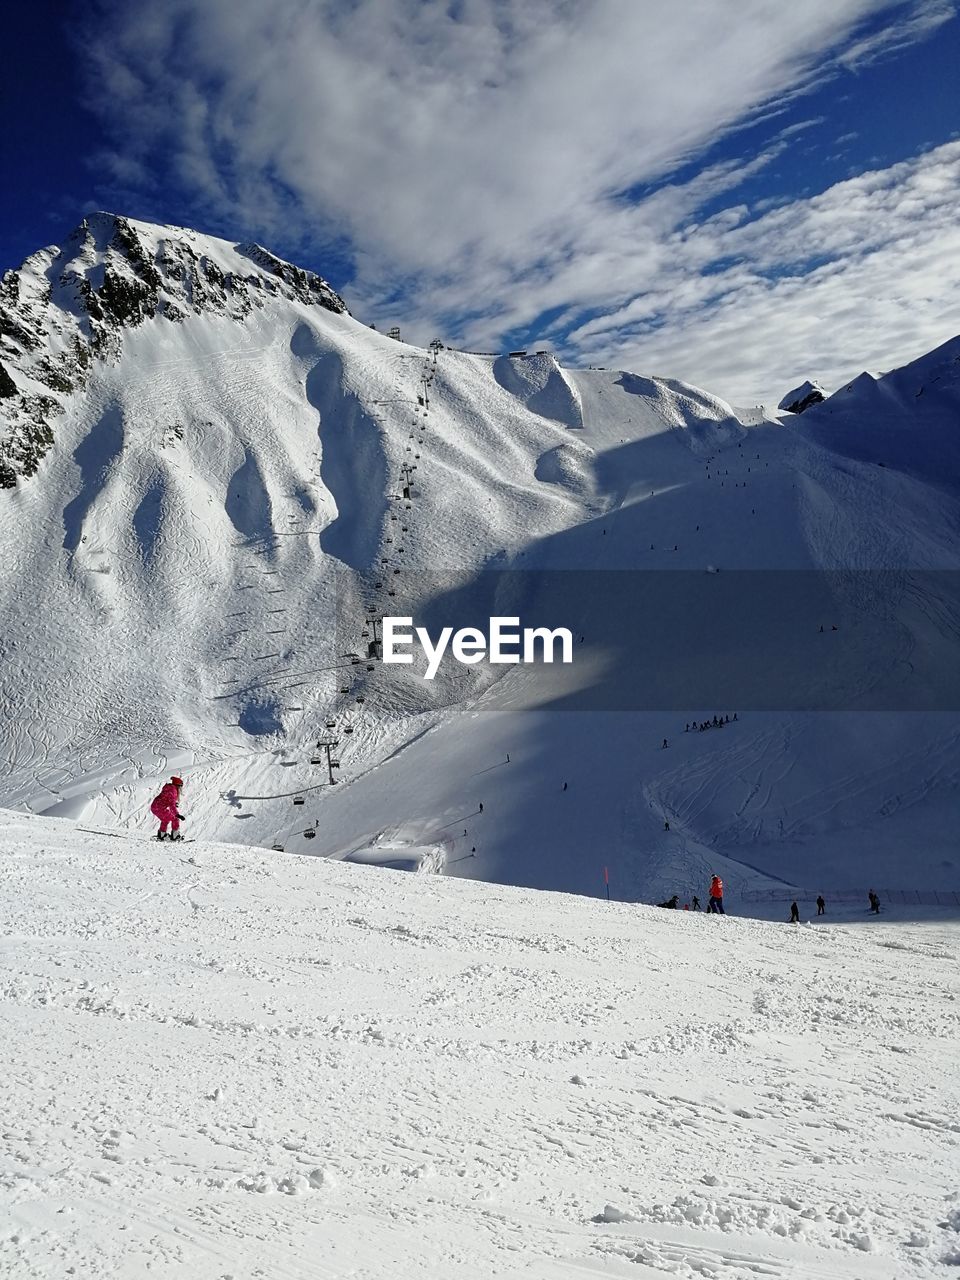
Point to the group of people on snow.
(166, 807)
(716, 723)
(715, 904)
(700, 726)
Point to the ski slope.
(190, 572)
(220, 1061)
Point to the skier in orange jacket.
(716, 895)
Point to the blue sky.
(739, 193)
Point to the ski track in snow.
(243, 1064)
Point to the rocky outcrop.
(802, 397)
(68, 307)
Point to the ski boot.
(175, 836)
(161, 835)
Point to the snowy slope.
(222, 1062)
(191, 567)
(907, 420)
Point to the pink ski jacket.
(165, 805)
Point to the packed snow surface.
(224, 1062)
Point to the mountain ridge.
(65, 308)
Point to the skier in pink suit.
(166, 807)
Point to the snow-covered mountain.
(67, 308)
(802, 397)
(211, 497)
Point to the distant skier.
(696, 903)
(670, 902)
(716, 895)
(874, 903)
(821, 906)
(564, 787)
(481, 806)
(663, 745)
(666, 826)
(794, 913)
(166, 807)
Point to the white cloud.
(476, 155)
(926, 17)
(862, 276)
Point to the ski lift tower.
(375, 644)
(406, 472)
(329, 744)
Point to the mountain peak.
(68, 307)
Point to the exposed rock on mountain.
(802, 397)
(67, 307)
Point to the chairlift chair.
(316, 759)
(348, 728)
(309, 833)
(334, 764)
(331, 724)
(361, 698)
(278, 848)
(298, 800)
